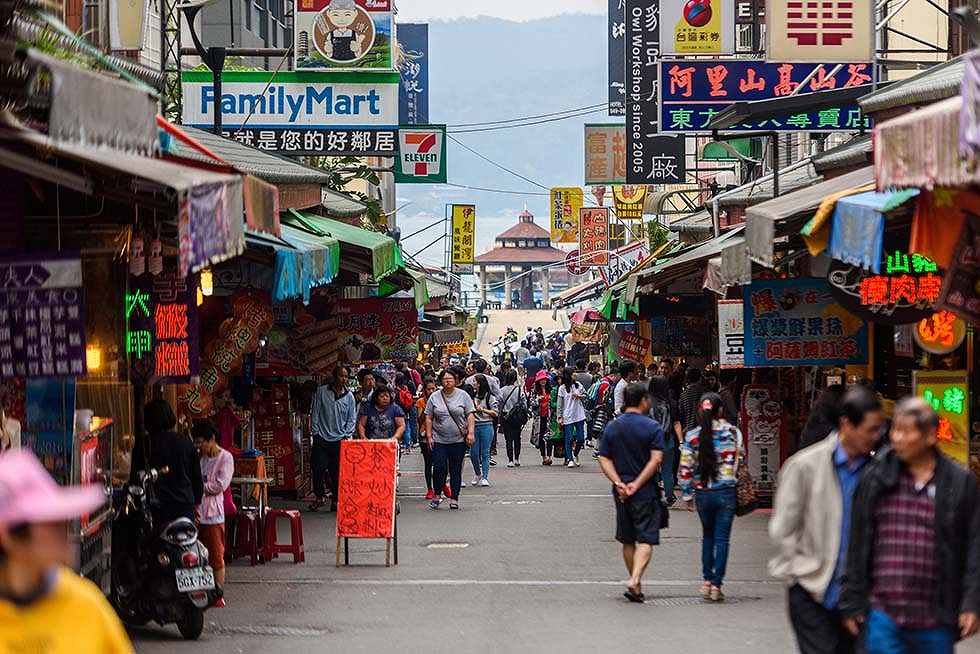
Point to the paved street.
(528, 565)
(519, 319)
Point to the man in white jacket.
(811, 522)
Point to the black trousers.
(427, 460)
(324, 462)
(545, 445)
(818, 629)
(513, 437)
(448, 460)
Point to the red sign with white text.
(366, 497)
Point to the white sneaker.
(517, 464)
(484, 482)
(570, 464)
(476, 480)
(577, 463)
(510, 464)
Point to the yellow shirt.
(74, 618)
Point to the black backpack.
(518, 414)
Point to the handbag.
(746, 492)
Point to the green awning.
(386, 256)
(421, 288)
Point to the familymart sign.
(299, 113)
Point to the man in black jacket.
(913, 559)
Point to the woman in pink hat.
(44, 606)
(542, 395)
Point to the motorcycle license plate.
(195, 579)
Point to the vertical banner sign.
(593, 237)
(366, 499)
(690, 27)
(797, 322)
(605, 155)
(42, 325)
(464, 237)
(731, 334)
(566, 203)
(161, 327)
(832, 31)
(371, 330)
(642, 56)
(50, 424)
(948, 393)
(617, 57)
(344, 34)
(413, 93)
(629, 200)
(421, 155)
(763, 427)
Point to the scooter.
(160, 574)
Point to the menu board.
(42, 325)
(274, 435)
(366, 497)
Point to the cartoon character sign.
(344, 31)
(339, 34)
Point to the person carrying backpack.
(664, 412)
(514, 415)
(603, 402)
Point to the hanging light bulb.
(93, 357)
(155, 262)
(207, 282)
(137, 259)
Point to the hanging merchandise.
(137, 258)
(155, 262)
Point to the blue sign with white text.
(413, 91)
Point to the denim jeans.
(884, 636)
(448, 459)
(574, 434)
(716, 508)
(410, 424)
(480, 452)
(667, 468)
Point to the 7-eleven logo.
(421, 152)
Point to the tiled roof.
(521, 255)
(525, 230)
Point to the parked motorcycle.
(160, 573)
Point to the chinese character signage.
(565, 206)
(948, 393)
(624, 260)
(836, 31)
(377, 329)
(961, 293)
(694, 92)
(617, 57)
(633, 347)
(904, 292)
(366, 498)
(593, 237)
(344, 34)
(42, 324)
(697, 26)
(797, 322)
(642, 55)
(274, 434)
(605, 154)
(659, 159)
(629, 199)
(413, 94)
(763, 424)
(300, 112)
(161, 327)
(731, 334)
(421, 155)
(940, 333)
(464, 237)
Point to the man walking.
(690, 399)
(628, 374)
(811, 522)
(630, 454)
(913, 558)
(333, 419)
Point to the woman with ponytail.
(710, 455)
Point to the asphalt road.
(527, 565)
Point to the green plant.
(344, 170)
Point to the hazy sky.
(427, 10)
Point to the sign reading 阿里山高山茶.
(344, 34)
(413, 96)
(421, 155)
(694, 92)
(299, 112)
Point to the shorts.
(213, 538)
(638, 521)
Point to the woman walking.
(512, 395)
(710, 456)
(571, 416)
(381, 418)
(542, 396)
(449, 428)
(486, 410)
(664, 412)
(428, 388)
(217, 469)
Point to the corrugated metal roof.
(264, 165)
(937, 83)
(792, 178)
(856, 152)
(696, 223)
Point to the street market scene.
(490, 326)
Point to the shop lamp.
(93, 357)
(207, 282)
(200, 296)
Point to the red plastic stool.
(247, 536)
(272, 547)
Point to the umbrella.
(583, 316)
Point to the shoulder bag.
(746, 492)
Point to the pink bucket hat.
(29, 494)
(540, 375)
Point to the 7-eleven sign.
(421, 155)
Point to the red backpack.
(405, 398)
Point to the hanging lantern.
(207, 282)
(137, 259)
(155, 262)
(93, 357)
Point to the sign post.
(366, 494)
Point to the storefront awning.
(310, 261)
(687, 262)
(786, 214)
(438, 334)
(858, 230)
(420, 287)
(383, 254)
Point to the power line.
(491, 161)
(520, 120)
(496, 190)
(529, 124)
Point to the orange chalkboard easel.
(366, 497)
